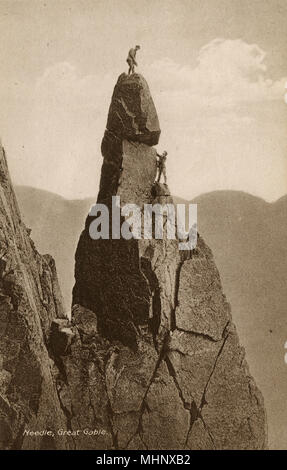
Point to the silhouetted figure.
(131, 60)
(161, 166)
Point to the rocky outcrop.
(132, 120)
(154, 335)
(132, 114)
(150, 358)
(30, 300)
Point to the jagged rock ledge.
(151, 358)
(166, 357)
(30, 300)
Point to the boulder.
(132, 114)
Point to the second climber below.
(161, 165)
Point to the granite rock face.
(30, 300)
(150, 358)
(155, 342)
(132, 114)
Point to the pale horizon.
(94, 196)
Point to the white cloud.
(229, 72)
(213, 118)
(214, 137)
(66, 123)
(62, 85)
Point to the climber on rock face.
(131, 60)
(161, 166)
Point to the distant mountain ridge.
(248, 237)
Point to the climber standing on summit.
(131, 60)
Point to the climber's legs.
(164, 175)
(131, 67)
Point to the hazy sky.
(216, 69)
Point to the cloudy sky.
(217, 71)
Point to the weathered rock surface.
(150, 358)
(29, 301)
(132, 114)
(164, 366)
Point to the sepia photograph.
(143, 228)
